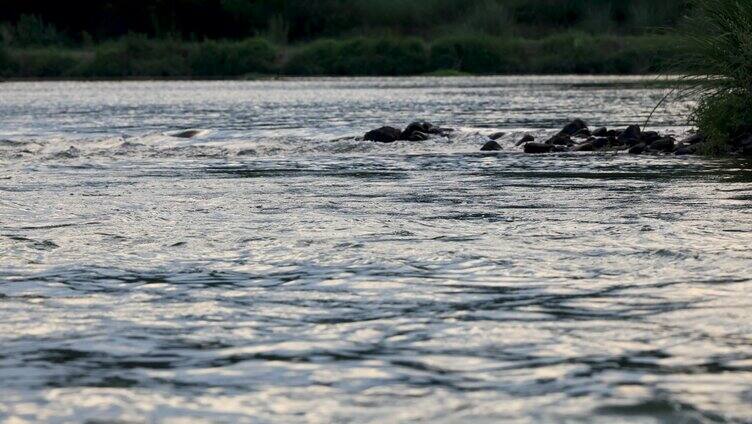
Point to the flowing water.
(273, 269)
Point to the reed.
(716, 57)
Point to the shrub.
(360, 56)
(31, 30)
(717, 55)
(212, 58)
(476, 54)
(135, 55)
(39, 63)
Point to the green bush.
(4, 62)
(717, 56)
(360, 56)
(722, 119)
(476, 54)
(213, 58)
(42, 63)
(135, 55)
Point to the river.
(272, 269)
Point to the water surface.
(272, 269)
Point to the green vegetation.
(231, 38)
(717, 57)
(138, 56)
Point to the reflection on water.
(261, 272)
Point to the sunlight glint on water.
(273, 270)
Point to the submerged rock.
(665, 144)
(538, 148)
(383, 135)
(496, 136)
(527, 138)
(186, 134)
(418, 136)
(560, 140)
(491, 146)
(649, 136)
(637, 149)
(694, 139)
(574, 127)
(585, 147)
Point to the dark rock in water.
(637, 149)
(496, 136)
(538, 148)
(527, 138)
(694, 139)
(383, 135)
(418, 136)
(583, 133)
(649, 136)
(584, 147)
(187, 134)
(560, 140)
(600, 142)
(613, 133)
(601, 132)
(573, 127)
(630, 136)
(491, 146)
(690, 149)
(423, 127)
(663, 145)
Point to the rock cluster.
(577, 137)
(417, 131)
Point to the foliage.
(717, 58)
(299, 21)
(722, 119)
(359, 56)
(232, 58)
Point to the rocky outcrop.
(577, 137)
(383, 135)
(416, 131)
(491, 146)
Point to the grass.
(716, 46)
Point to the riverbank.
(139, 57)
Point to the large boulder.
(574, 127)
(665, 144)
(422, 127)
(538, 148)
(560, 140)
(630, 136)
(491, 146)
(383, 135)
